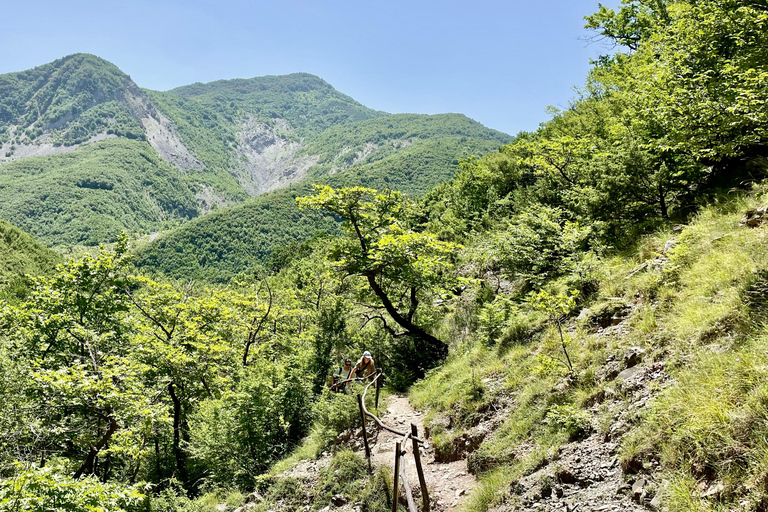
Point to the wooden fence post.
(378, 384)
(419, 469)
(396, 492)
(365, 433)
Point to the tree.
(402, 268)
(75, 333)
(186, 345)
(557, 307)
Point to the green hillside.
(236, 239)
(309, 103)
(21, 254)
(376, 139)
(231, 241)
(211, 144)
(90, 195)
(69, 100)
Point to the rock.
(633, 355)
(629, 373)
(461, 492)
(669, 245)
(618, 429)
(584, 315)
(753, 218)
(339, 500)
(565, 476)
(344, 436)
(656, 502)
(714, 491)
(254, 497)
(638, 486)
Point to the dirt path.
(448, 483)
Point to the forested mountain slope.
(21, 254)
(239, 238)
(218, 143)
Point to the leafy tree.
(75, 333)
(402, 268)
(186, 345)
(557, 307)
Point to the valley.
(575, 317)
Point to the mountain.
(86, 153)
(220, 245)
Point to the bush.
(335, 412)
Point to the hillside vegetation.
(580, 315)
(221, 142)
(96, 192)
(69, 100)
(234, 240)
(21, 255)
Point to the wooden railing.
(399, 450)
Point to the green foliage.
(709, 81)
(238, 436)
(44, 489)
(21, 254)
(536, 246)
(62, 200)
(401, 267)
(335, 412)
(377, 139)
(574, 421)
(557, 307)
(221, 245)
(71, 99)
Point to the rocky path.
(448, 483)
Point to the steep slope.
(187, 151)
(252, 129)
(227, 242)
(90, 195)
(21, 254)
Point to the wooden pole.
(419, 469)
(378, 385)
(396, 492)
(407, 488)
(365, 434)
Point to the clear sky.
(499, 62)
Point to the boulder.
(633, 355)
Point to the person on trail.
(342, 374)
(364, 366)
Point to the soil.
(448, 483)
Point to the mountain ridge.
(221, 141)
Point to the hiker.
(342, 374)
(364, 366)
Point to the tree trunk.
(87, 467)
(435, 346)
(179, 425)
(663, 203)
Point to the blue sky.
(499, 62)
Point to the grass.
(696, 303)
